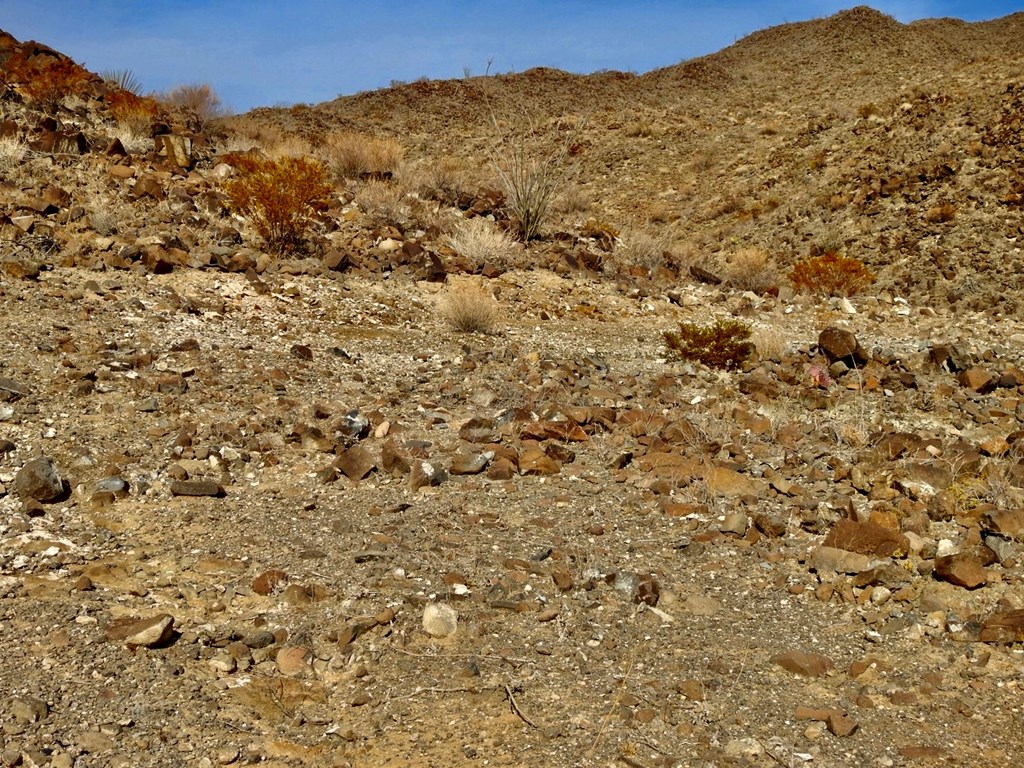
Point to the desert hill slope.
(388, 485)
(854, 131)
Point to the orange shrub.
(46, 84)
(134, 112)
(831, 274)
(279, 197)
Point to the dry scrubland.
(538, 419)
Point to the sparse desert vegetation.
(669, 420)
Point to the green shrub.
(723, 344)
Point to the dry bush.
(723, 344)
(447, 176)
(199, 99)
(133, 113)
(831, 274)
(351, 155)
(384, 201)
(469, 308)
(281, 198)
(13, 152)
(751, 269)
(480, 241)
(769, 343)
(574, 199)
(45, 83)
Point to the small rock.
(196, 488)
(426, 473)
(841, 344)
(268, 581)
(145, 633)
(356, 463)
(293, 660)
(735, 523)
(866, 538)
(39, 480)
(977, 379)
(841, 725)
(440, 620)
(962, 569)
(804, 663)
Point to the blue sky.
(272, 52)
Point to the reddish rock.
(534, 461)
(1005, 522)
(146, 633)
(841, 344)
(962, 569)
(355, 463)
(1003, 627)
(804, 663)
(866, 539)
(977, 379)
(841, 725)
(268, 581)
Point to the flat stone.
(293, 660)
(1004, 521)
(196, 488)
(839, 560)
(803, 663)
(146, 633)
(39, 480)
(1003, 627)
(470, 463)
(866, 538)
(962, 569)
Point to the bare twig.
(515, 708)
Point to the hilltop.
(403, 486)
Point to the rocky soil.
(276, 510)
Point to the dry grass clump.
(723, 344)
(751, 269)
(384, 201)
(351, 155)
(831, 274)
(281, 198)
(469, 308)
(13, 151)
(480, 241)
(769, 343)
(640, 248)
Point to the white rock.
(440, 620)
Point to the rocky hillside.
(401, 491)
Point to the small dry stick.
(515, 707)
